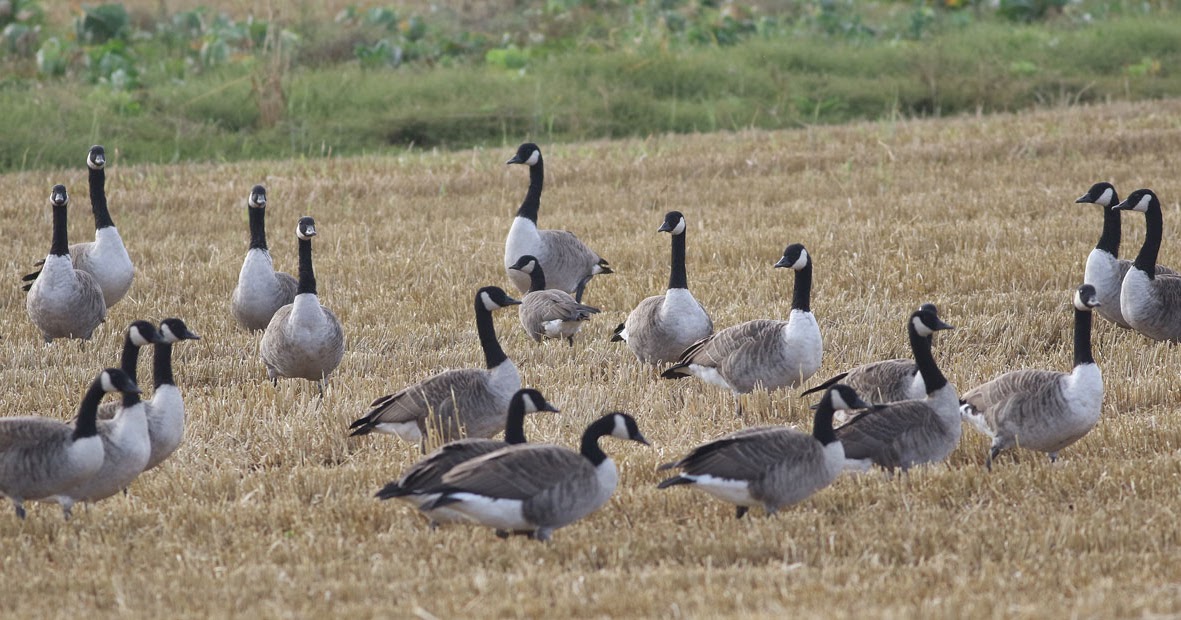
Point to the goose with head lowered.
(1149, 301)
(893, 380)
(261, 290)
(105, 258)
(765, 353)
(139, 334)
(910, 432)
(428, 473)
(1043, 410)
(769, 466)
(42, 457)
(467, 402)
(537, 488)
(1105, 270)
(304, 339)
(549, 313)
(166, 409)
(569, 264)
(661, 327)
(64, 302)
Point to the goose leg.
(19, 505)
(1053, 457)
(578, 290)
(740, 512)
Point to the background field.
(267, 508)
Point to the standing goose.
(1043, 410)
(64, 302)
(569, 263)
(105, 258)
(770, 466)
(126, 449)
(457, 403)
(662, 326)
(261, 290)
(767, 354)
(166, 409)
(428, 473)
(548, 313)
(304, 339)
(910, 432)
(41, 457)
(139, 333)
(1149, 301)
(537, 488)
(893, 380)
(1105, 271)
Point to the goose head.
(493, 297)
(96, 158)
(926, 321)
(258, 197)
(1141, 200)
(1086, 298)
(142, 333)
(674, 223)
(115, 380)
(58, 196)
(624, 427)
(795, 257)
(175, 330)
(527, 154)
(306, 228)
(1102, 194)
(533, 401)
(841, 397)
(525, 264)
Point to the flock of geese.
(894, 414)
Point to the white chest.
(523, 238)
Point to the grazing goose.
(1043, 410)
(1104, 270)
(166, 409)
(548, 313)
(537, 488)
(569, 263)
(261, 290)
(458, 403)
(304, 339)
(768, 354)
(662, 326)
(428, 473)
(139, 333)
(1149, 301)
(126, 449)
(64, 302)
(910, 432)
(893, 380)
(41, 457)
(105, 258)
(770, 466)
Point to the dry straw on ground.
(267, 509)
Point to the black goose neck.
(1110, 239)
(920, 346)
(514, 426)
(537, 278)
(1153, 229)
(801, 296)
(822, 423)
(486, 329)
(677, 278)
(307, 276)
(162, 365)
(590, 440)
(130, 399)
(258, 228)
(60, 245)
(129, 360)
(98, 198)
(87, 424)
(532, 202)
(1082, 338)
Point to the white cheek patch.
(528, 403)
(108, 386)
(921, 328)
(1105, 198)
(137, 338)
(533, 158)
(802, 261)
(167, 333)
(620, 429)
(679, 229)
(838, 402)
(489, 305)
(1145, 200)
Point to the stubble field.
(267, 509)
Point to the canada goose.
(551, 313)
(304, 339)
(139, 333)
(126, 448)
(64, 302)
(568, 262)
(428, 473)
(105, 258)
(1043, 410)
(537, 488)
(261, 290)
(41, 457)
(166, 409)
(661, 327)
(893, 380)
(1105, 271)
(1150, 302)
(770, 466)
(770, 354)
(457, 403)
(910, 432)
